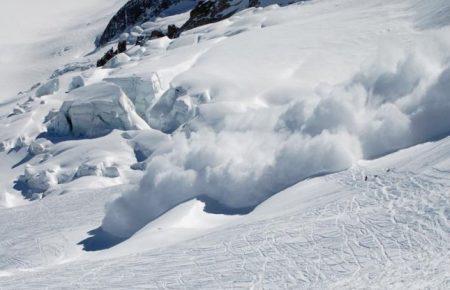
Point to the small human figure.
(365, 178)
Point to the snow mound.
(94, 111)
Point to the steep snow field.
(37, 37)
(303, 146)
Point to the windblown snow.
(296, 146)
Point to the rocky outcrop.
(203, 12)
(137, 11)
(211, 11)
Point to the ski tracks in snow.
(390, 231)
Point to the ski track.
(390, 231)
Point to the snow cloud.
(241, 155)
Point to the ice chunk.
(143, 92)
(77, 82)
(97, 170)
(38, 147)
(173, 109)
(95, 111)
(111, 172)
(88, 170)
(187, 40)
(49, 88)
(140, 166)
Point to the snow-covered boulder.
(118, 60)
(137, 29)
(124, 36)
(77, 82)
(88, 170)
(136, 52)
(39, 181)
(49, 88)
(139, 166)
(38, 147)
(143, 92)
(95, 111)
(110, 172)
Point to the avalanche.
(270, 144)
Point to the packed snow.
(296, 146)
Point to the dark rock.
(141, 40)
(107, 57)
(122, 47)
(210, 11)
(135, 12)
(156, 34)
(172, 31)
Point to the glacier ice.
(94, 111)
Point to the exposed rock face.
(203, 12)
(137, 11)
(211, 11)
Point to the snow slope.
(38, 37)
(336, 231)
(236, 155)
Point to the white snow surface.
(324, 124)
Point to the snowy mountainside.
(293, 146)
